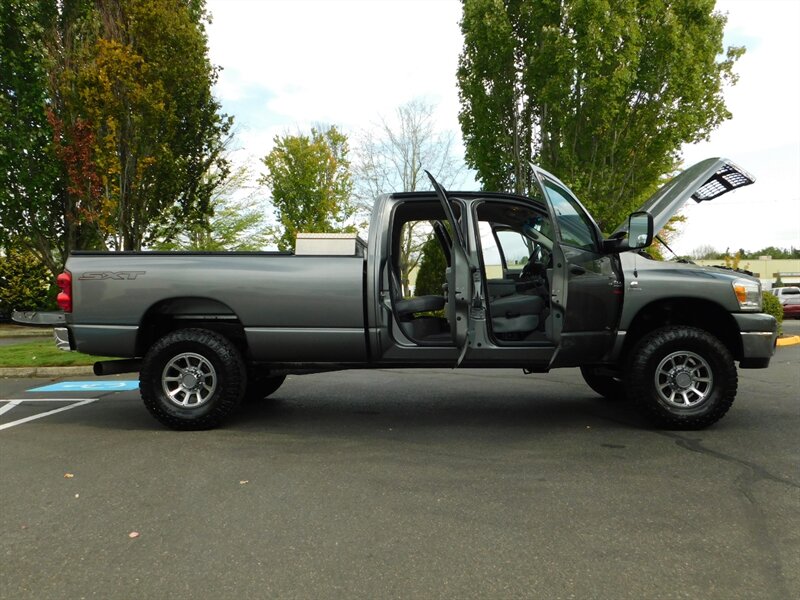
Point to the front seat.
(406, 308)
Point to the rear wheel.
(611, 388)
(682, 377)
(192, 379)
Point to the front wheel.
(682, 377)
(192, 379)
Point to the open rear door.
(459, 276)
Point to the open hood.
(706, 180)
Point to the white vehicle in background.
(789, 297)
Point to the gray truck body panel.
(648, 281)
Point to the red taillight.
(64, 298)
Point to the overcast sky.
(290, 64)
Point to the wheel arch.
(185, 312)
(694, 312)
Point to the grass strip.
(43, 354)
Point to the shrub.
(430, 276)
(25, 283)
(772, 306)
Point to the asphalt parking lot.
(402, 484)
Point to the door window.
(575, 227)
(503, 251)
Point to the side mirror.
(639, 235)
(640, 230)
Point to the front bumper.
(759, 335)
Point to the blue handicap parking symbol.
(88, 386)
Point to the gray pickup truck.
(530, 283)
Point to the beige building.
(769, 270)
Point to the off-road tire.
(260, 387)
(608, 387)
(693, 367)
(213, 358)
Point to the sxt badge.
(115, 275)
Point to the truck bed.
(296, 308)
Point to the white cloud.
(763, 136)
(290, 64)
(340, 62)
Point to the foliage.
(110, 141)
(709, 253)
(772, 306)
(778, 253)
(733, 261)
(235, 224)
(159, 135)
(393, 156)
(25, 283)
(705, 251)
(310, 180)
(432, 266)
(775, 252)
(603, 93)
(28, 166)
(395, 159)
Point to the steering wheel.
(537, 263)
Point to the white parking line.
(12, 403)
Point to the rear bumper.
(759, 335)
(61, 335)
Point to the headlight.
(748, 293)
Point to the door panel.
(459, 277)
(594, 293)
(587, 285)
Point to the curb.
(789, 341)
(46, 371)
(27, 333)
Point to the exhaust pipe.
(114, 367)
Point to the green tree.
(29, 170)
(432, 265)
(160, 137)
(774, 252)
(235, 224)
(311, 183)
(108, 139)
(601, 92)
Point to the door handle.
(576, 270)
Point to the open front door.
(585, 283)
(459, 278)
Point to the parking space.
(26, 400)
(411, 483)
